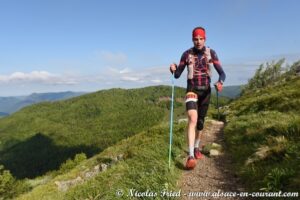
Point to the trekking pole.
(217, 101)
(171, 121)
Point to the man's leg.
(203, 104)
(191, 107)
(198, 138)
(199, 129)
(192, 116)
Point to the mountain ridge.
(12, 104)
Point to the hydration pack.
(192, 61)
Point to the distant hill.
(40, 137)
(3, 114)
(231, 92)
(10, 105)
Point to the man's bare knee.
(192, 117)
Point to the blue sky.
(89, 45)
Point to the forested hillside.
(40, 137)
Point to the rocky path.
(212, 178)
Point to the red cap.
(199, 32)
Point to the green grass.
(283, 97)
(263, 137)
(144, 167)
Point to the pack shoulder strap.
(208, 58)
(208, 54)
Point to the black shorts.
(198, 99)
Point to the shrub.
(9, 186)
(70, 164)
(276, 179)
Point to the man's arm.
(218, 67)
(181, 66)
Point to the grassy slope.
(145, 167)
(263, 136)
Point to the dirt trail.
(212, 174)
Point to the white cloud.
(148, 75)
(125, 70)
(125, 77)
(156, 81)
(112, 58)
(119, 71)
(43, 77)
(128, 78)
